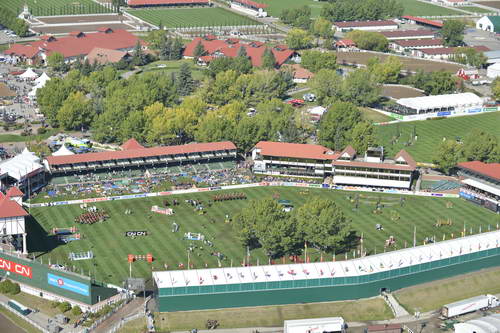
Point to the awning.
(482, 186)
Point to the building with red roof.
(102, 56)
(300, 74)
(250, 7)
(131, 144)
(12, 218)
(423, 21)
(379, 25)
(346, 168)
(444, 53)
(167, 3)
(481, 183)
(77, 44)
(229, 48)
(409, 34)
(140, 157)
(408, 45)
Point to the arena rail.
(241, 186)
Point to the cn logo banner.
(135, 233)
(68, 284)
(16, 268)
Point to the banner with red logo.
(16, 268)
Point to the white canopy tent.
(29, 74)
(35, 88)
(21, 165)
(63, 151)
(441, 101)
(43, 78)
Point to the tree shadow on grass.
(39, 241)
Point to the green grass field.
(475, 9)
(192, 17)
(432, 296)
(55, 7)
(111, 247)
(431, 132)
(276, 6)
(418, 8)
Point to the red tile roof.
(14, 192)
(10, 208)
(295, 150)
(140, 153)
(408, 33)
(349, 150)
(419, 42)
(72, 46)
(424, 21)
(103, 56)
(345, 43)
(131, 144)
(491, 170)
(133, 3)
(299, 72)
(451, 50)
(375, 165)
(230, 47)
(251, 3)
(407, 157)
(356, 24)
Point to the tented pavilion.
(437, 103)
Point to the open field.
(84, 28)
(55, 7)
(81, 19)
(400, 91)
(433, 295)
(419, 8)
(374, 116)
(410, 64)
(273, 316)
(475, 9)
(431, 132)
(492, 4)
(276, 6)
(111, 247)
(134, 326)
(192, 17)
(174, 66)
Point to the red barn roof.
(251, 3)
(419, 42)
(408, 33)
(424, 21)
(73, 46)
(141, 153)
(133, 3)
(359, 24)
(14, 192)
(491, 170)
(131, 144)
(295, 150)
(9, 208)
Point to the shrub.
(9, 287)
(54, 304)
(41, 130)
(64, 307)
(76, 311)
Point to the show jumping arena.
(233, 287)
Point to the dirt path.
(127, 310)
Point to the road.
(8, 326)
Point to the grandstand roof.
(295, 150)
(133, 3)
(409, 33)
(251, 3)
(358, 24)
(491, 170)
(424, 21)
(140, 153)
(356, 267)
(131, 144)
(441, 101)
(419, 42)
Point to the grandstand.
(444, 185)
(367, 276)
(481, 183)
(249, 7)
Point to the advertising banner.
(490, 109)
(135, 233)
(68, 284)
(16, 268)
(443, 113)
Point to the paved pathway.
(131, 308)
(8, 326)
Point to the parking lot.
(475, 37)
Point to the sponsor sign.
(135, 233)
(315, 185)
(16, 268)
(476, 110)
(490, 109)
(165, 193)
(395, 116)
(443, 113)
(68, 284)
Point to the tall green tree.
(316, 60)
(479, 145)
(336, 126)
(298, 39)
(55, 60)
(323, 225)
(363, 136)
(369, 40)
(268, 59)
(447, 155)
(199, 50)
(360, 87)
(327, 85)
(322, 28)
(184, 80)
(453, 32)
(76, 112)
(386, 72)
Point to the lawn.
(475, 9)
(111, 247)
(419, 8)
(276, 6)
(174, 66)
(431, 132)
(55, 7)
(433, 295)
(23, 138)
(374, 116)
(192, 17)
(273, 316)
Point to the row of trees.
(9, 19)
(369, 40)
(354, 10)
(319, 224)
(477, 145)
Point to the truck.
(469, 305)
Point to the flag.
(480, 229)
(444, 236)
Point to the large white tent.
(43, 78)
(493, 71)
(21, 165)
(29, 74)
(63, 151)
(441, 101)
